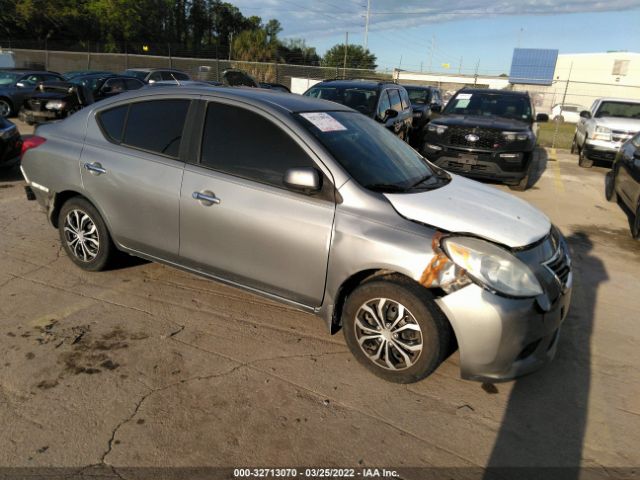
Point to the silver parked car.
(313, 204)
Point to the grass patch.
(563, 138)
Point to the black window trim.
(197, 140)
(183, 147)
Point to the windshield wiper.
(386, 187)
(422, 180)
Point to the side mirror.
(20, 85)
(585, 114)
(303, 179)
(389, 113)
(436, 108)
(542, 117)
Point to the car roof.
(154, 70)
(494, 90)
(258, 96)
(356, 83)
(614, 99)
(419, 87)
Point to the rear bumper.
(501, 338)
(10, 152)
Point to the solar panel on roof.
(533, 66)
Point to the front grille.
(488, 139)
(560, 266)
(452, 165)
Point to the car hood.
(467, 206)
(49, 96)
(498, 123)
(614, 123)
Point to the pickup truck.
(602, 130)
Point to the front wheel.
(395, 330)
(635, 227)
(574, 145)
(583, 161)
(5, 108)
(84, 235)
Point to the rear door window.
(384, 104)
(156, 126)
(394, 98)
(155, 77)
(264, 156)
(404, 96)
(112, 122)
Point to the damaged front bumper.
(502, 338)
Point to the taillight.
(31, 142)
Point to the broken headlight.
(492, 267)
(54, 105)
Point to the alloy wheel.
(5, 108)
(81, 235)
(388, 334)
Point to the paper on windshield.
(323, 121)
(464, 96)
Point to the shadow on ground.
(543, 429)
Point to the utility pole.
(475, 75)
(433, 46)
(564, 97)
(230, 44)
(344, 63)
(420, 67)
(460, 66)
(366, 26)
(400, 64)
(520, 36)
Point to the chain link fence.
(198, 68)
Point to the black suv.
(426, 103)
(385, 102)
(487, 134)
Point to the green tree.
(254, 46)
(296, 51)
(357, 57)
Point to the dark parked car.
(57, 100)
(240, 78)
(623, 181)
(16, 84)
(150, 75)
(387, 103)
(426, 102)
(486, 133)
(10, 143)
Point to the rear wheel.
(394, 329)
(583, 161)
(610, 186)
(84, 235)
(574, 145)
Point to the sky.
(465, 34)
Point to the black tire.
(635, 227)
(583, 161)
(421, 311)
(6, 108)
(95, 258)
(610, 186)
(522, 185)
(574, 145)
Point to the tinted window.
(406, 103)
(116, 85)
(112, 122)
(263, 156)
(384, 104)
(394, 98)
(419, 96)
(157, 126)
(133, 84)
(155, 77)
(174, 76)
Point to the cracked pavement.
(148, 366)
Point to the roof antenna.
(177, 81)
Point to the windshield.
(419, 96)
(487, 104)
(361, 99)
(373, 156)
(139, 74)
(619, 109)
(8, 78)
(92, 83)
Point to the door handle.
(95, 168)
(206, 198)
